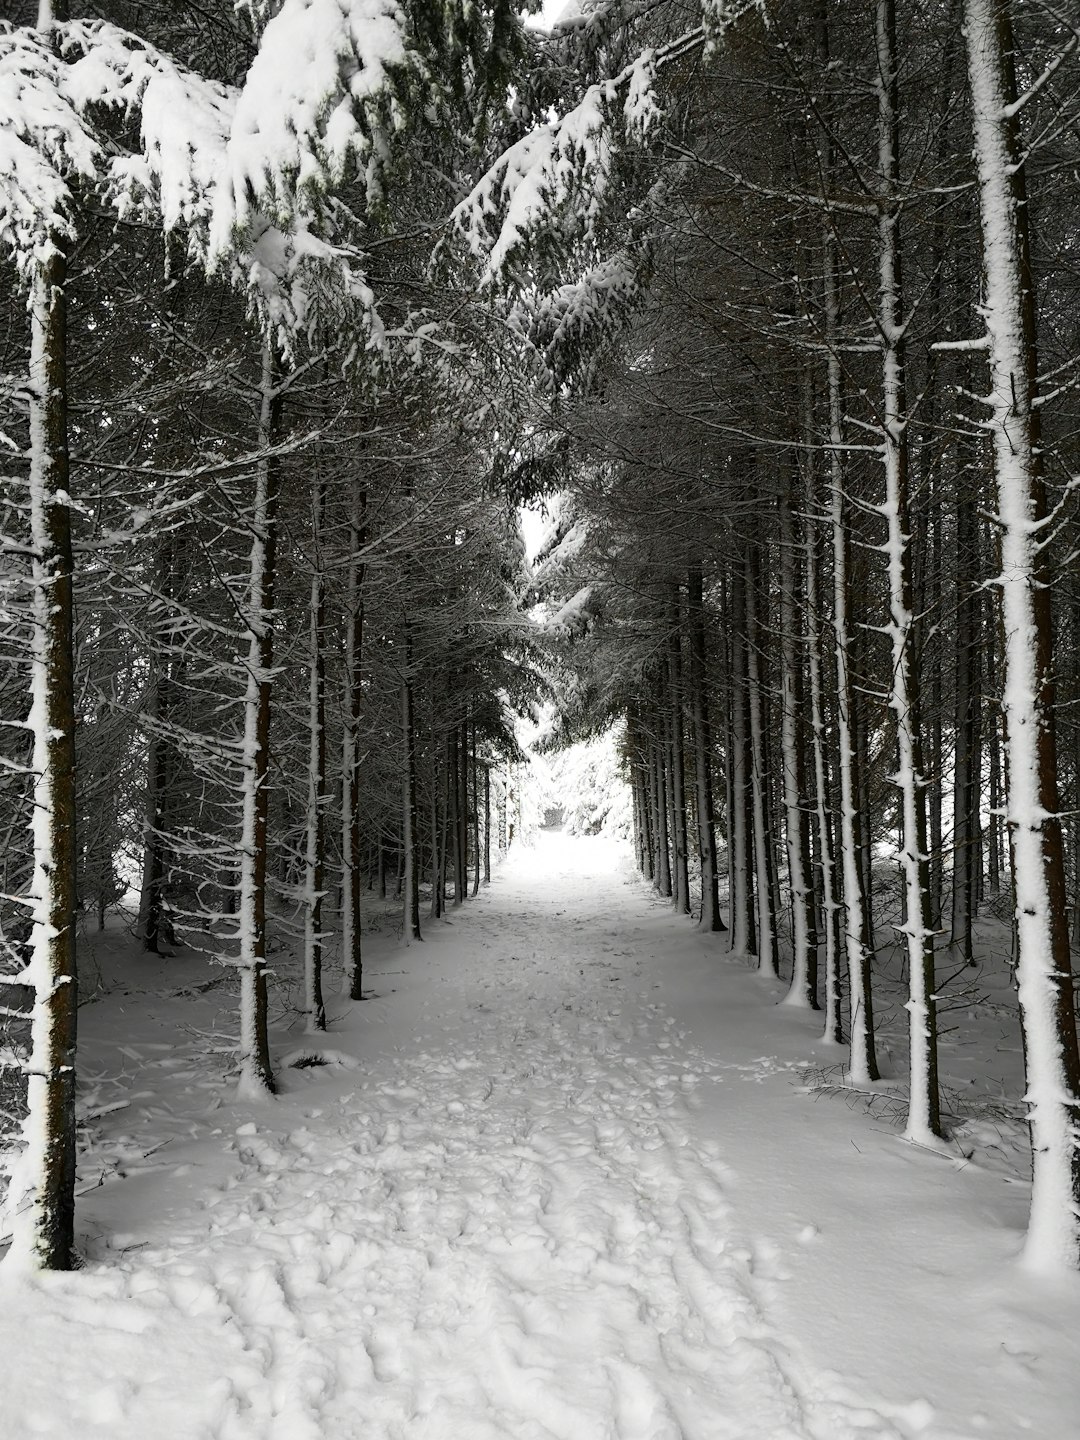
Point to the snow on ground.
(561, 1179)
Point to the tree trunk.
(803, 988)
(435, 908)
(487, 824)
(410, 879)
(702, 731)
(967, 753)
(351, 944)
(663, 846)
(923, 1121)
(863, 1061)
(454, 793)
(41, 1198)
(743, 939)
(475, 816)
(256, 1076)
(764, 868)
(680, 836)
(314, 853)
(1044, 978)
(830, 905)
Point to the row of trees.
(826, 476)
(770, 321)
(262, 598)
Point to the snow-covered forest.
(768, 309)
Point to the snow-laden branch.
(201, 162)
(44, 142)
(559, 174)
(184, 121)
(321, 94)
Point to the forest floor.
(568, 1174)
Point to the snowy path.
(504, 1226)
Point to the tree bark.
(351, 943)
(487, 824)
(743, 940)
(863, 1060)
(923, 1121)
(256, 1075)
(314, 852)
(803, 988)
(680, 836)
(41, 1198)
(702, 731)
(761, 837)
(1044, 973)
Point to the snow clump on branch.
(43, 141)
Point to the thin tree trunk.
(256, 1075)
(924, 1119)
(314, 853)
(454, 786)
(966, 760)
(154, 927)
(663, 853)
(475, 816)
(803, 988)
(410, 878)
(767, 950)
(487, 824)
(863, 1061)
(351, 944)
(435, 908)
(830, 905)
(680, 835)
(699, 706)
(740, 877)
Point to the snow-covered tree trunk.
(667, 752)
(648, 780)
(803, 988)
(639, 779)
(437, 796)
(830, 905)
(923, 1121)
(351, 943)
(477, 855)
(464, 809)
(1044, 978)
(764, 868)
(743, 937)
(256, 1075)
(410, 885)
(863, 1060)
(314, 855)
(967, 758)
(702, 730)
(409, 932)
(41, 1196)
(487, 824)
(662, 878)
(680, 835)
(995, 860)
(636, 827)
